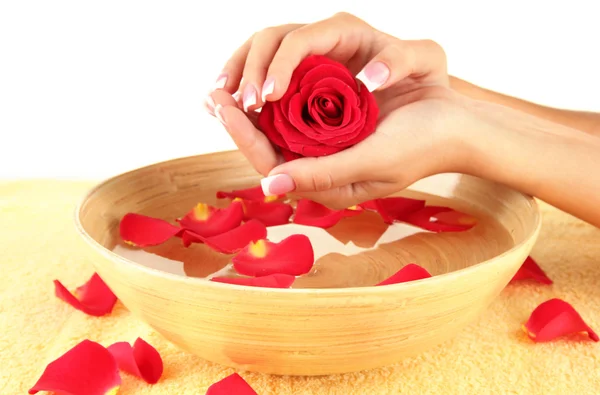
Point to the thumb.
(318, 174)
(401, 59)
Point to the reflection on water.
(359, 251)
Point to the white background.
(89, 89)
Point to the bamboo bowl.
(307, 331)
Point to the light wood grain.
(297, 331)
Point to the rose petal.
(142, 360)
(293, 255)
(86, 369)
(426, 219)
(270, 214)
(555, 318)
(277, 280)
(455, 218)
(314, 214)
(208, 221)
(231, 385)
(143, 231)
(289, 155)
(254, 194)
(531, 270)
(410, 272)
(394, 208)
(322, 71)
(229, 242)
(93, 298)
(269, 120)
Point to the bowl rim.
(363, 291)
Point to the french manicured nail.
(268, 88)
(249, 98)
(218, 114)
(374, 75)
(221, 82)
(210, 104)
(277, 184)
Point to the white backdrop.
(89, 89)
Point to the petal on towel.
(231, 241)
(441, 219)
(93, 298)
(314, 214)
(231, 385)
(555, 318)
(271, 281)
(250, 194)
(208, 221)
(410, 272)
(143, 231)
(88, 368)
(394, 208)
(142, 360)
(531, 270)
(270, 214)
(293, 255)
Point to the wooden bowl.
(347, 327)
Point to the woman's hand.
(399, 72)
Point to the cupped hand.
(419, 139)
(409, 81)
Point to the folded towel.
(38, 244)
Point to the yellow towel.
(38, 244)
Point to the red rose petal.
(293, 255)
(142, 360)
(231, 385)
(86, 369)
(314, 214)
(254, 194)
(270, 214)
(531, 270)
(555, 318)
(277, 280)
(208, 221)
(410, 272)
(93, 298)
(143, 231)
(394, 208)
(427, 218)
(232, 241)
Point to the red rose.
(324, 110)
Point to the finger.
(401, 59)
(231, 76)
(253, 144)
(321, 173)
(263, 48)
(338, 37)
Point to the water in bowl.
(358, 251)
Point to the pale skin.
(430, 123)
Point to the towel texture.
(38, 244)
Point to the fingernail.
(221, 81)
(218, 114)
(210, 104)
(268, 88)
(374, 75)
(236, 96)
(249, 96)
(277, 184)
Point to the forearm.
(585, 121)
(558, 165)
